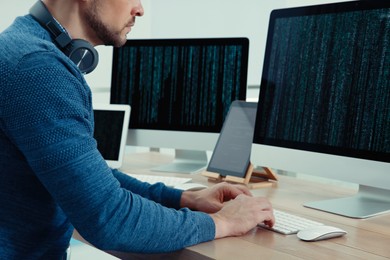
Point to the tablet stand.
(254, 179)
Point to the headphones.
(81, 52)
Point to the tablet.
(231, 155)
(111, 125)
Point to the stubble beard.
(103, 33)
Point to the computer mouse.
(190, 186)
(320, 233)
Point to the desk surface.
(366, 238)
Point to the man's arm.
(52, 128)
(159, 193)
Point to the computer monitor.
(324, 102)
(180, 91)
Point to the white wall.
(221, 18)
(8, 11)
(185, 18)
(293, 3)
(217, 18)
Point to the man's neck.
(67, 14)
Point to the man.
(52, 177)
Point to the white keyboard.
(167, 180)
(287, 224)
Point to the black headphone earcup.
(83, 54)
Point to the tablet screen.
(231, 154)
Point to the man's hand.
(232, 208)
(212, 199)
(240, 215)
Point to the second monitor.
(180, 91)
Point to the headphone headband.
(81, 52)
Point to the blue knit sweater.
(52, 177)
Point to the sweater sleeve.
(158, 192)
(49, 119)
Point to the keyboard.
(287, 224)
(167, 180)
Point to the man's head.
(97, 21)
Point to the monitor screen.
(325, 92)
(180, 90)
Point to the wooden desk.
(366, 238)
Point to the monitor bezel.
(371, 176)
(242, 41)
(351, 6)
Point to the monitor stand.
(368, 202)
(185, 161)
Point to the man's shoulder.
(22, 38)
(27, 49)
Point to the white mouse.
(320, 233)
(190, 186)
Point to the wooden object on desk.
(253, 179)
